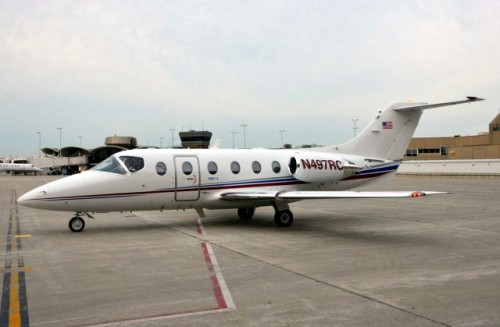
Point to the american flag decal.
(387, 124)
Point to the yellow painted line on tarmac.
(17, 314)
(22, 269)
(14, 307)
(14, 303)
(23, 236)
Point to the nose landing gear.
(77, 224)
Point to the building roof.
(496, 121)
(52, 152)
(74, 151)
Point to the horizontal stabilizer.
(437, 105)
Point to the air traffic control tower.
(195, 139)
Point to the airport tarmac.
(431, 261)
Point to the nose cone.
(57, 195)
(29, 199)
(39, 197)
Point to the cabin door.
(187, 178)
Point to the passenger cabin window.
(276, 167)
(161, 168)
(187, 168)
(133, 164)
(256, 167)
(110, 165)
(212, 168)
(235, 167)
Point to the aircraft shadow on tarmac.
(321, 226)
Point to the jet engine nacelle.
(316, 168)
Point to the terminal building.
(72, 159)
(458, 147)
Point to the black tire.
(283, 218)
(76, 224)
(246, 213)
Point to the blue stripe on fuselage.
(372, 172)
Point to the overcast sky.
(140, 68)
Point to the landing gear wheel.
(246, 213)
(283, 218)
(76, 224)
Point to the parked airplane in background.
(169, 179)
(16, 168)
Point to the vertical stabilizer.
(388, 135)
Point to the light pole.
(172, 130)
(60, 140)
(39, 144)
(161, 141)
(234, 133)
(354, 128)
(281, 131)
(80, 137)
(244, 135)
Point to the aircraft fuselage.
(166, 179)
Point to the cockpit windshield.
(133, 164)
(110, 165)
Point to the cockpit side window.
(133, 164)
(110, 165)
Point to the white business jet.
(167, 179)
(15, 168)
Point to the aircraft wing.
(352, 194)
(249, 196)
(304, 195)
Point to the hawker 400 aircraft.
(166, 179)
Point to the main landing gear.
(246, 213)
(282, 218)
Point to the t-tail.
(388, 135)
